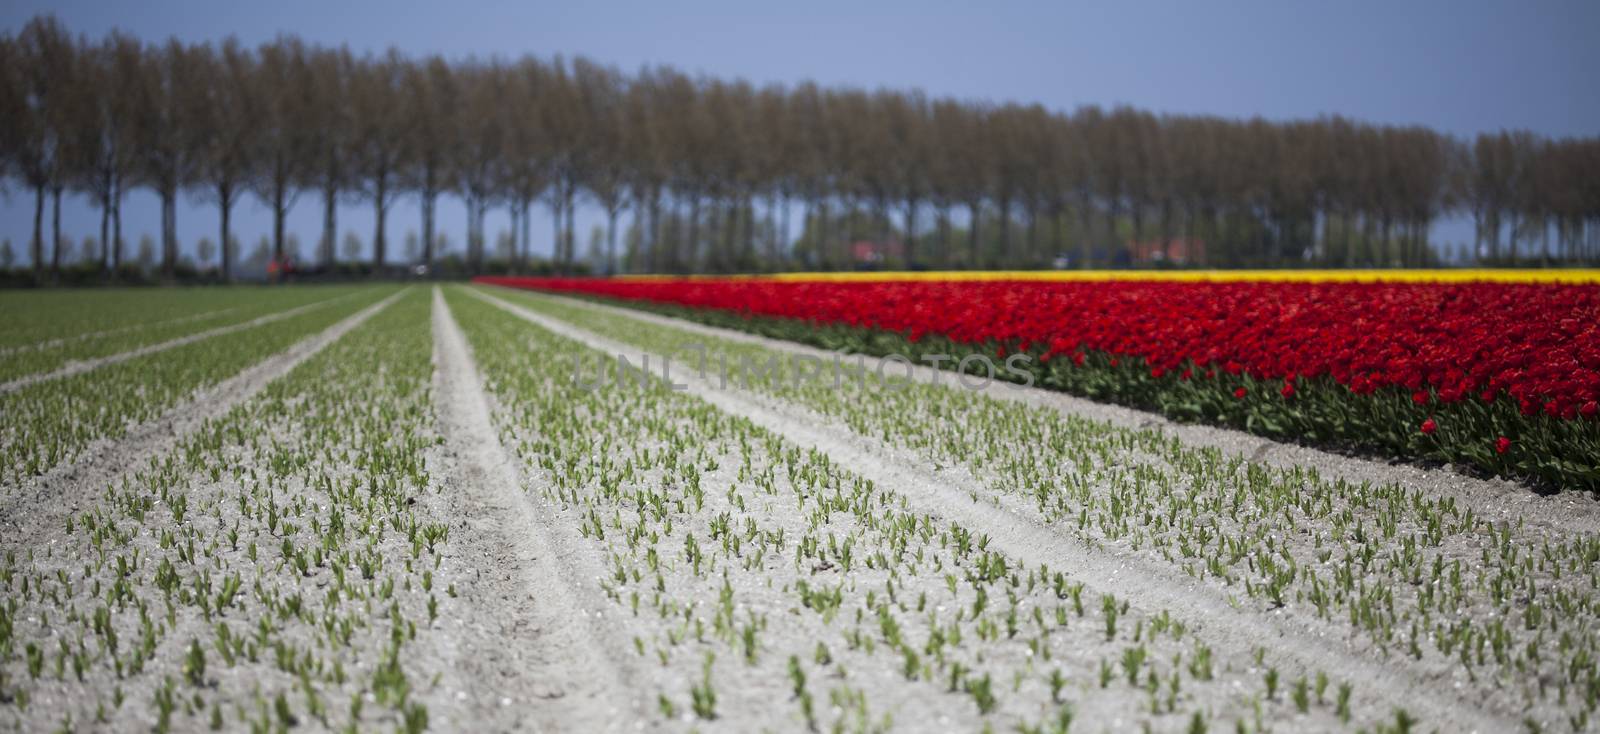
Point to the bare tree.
(166, 112)
(103, 125)
(601, 95)
(378, 153)
(227, 133)
(482, 150)
(45, 58)
(330, 120)
(287, 140)
(431, 100)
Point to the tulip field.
(1502, 377)
(804, 503)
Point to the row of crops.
(415, 508)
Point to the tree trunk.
(515, 256)
(105, 233)
(656, 250)
(225, 204)
(473, 241)
(427, 227)
(477, 209)
(116, 230)
(169, 233)
(55, 233)
(330, 225)
(569, 192)
(555, 242)
(38, 230)
(527, 231)
(380, 208)
(279, 194)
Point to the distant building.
(1177, 251)
(867, 252)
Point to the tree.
(13, 108)
(601, 94)
(107, 150)
(330, 120)
(527, 149)
(227, 132)
(45, 58)
(165, 120)
(378, 153)
(286, 139)
(481, 149)
(563, 126)
(434, 134)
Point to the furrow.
(534, 650)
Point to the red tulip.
(1428, 427)
(1502, 445)
(1239, 393)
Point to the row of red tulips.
(1505, 377)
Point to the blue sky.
(1460, 67)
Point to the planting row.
(1502, 377)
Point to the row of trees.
(707, 171)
